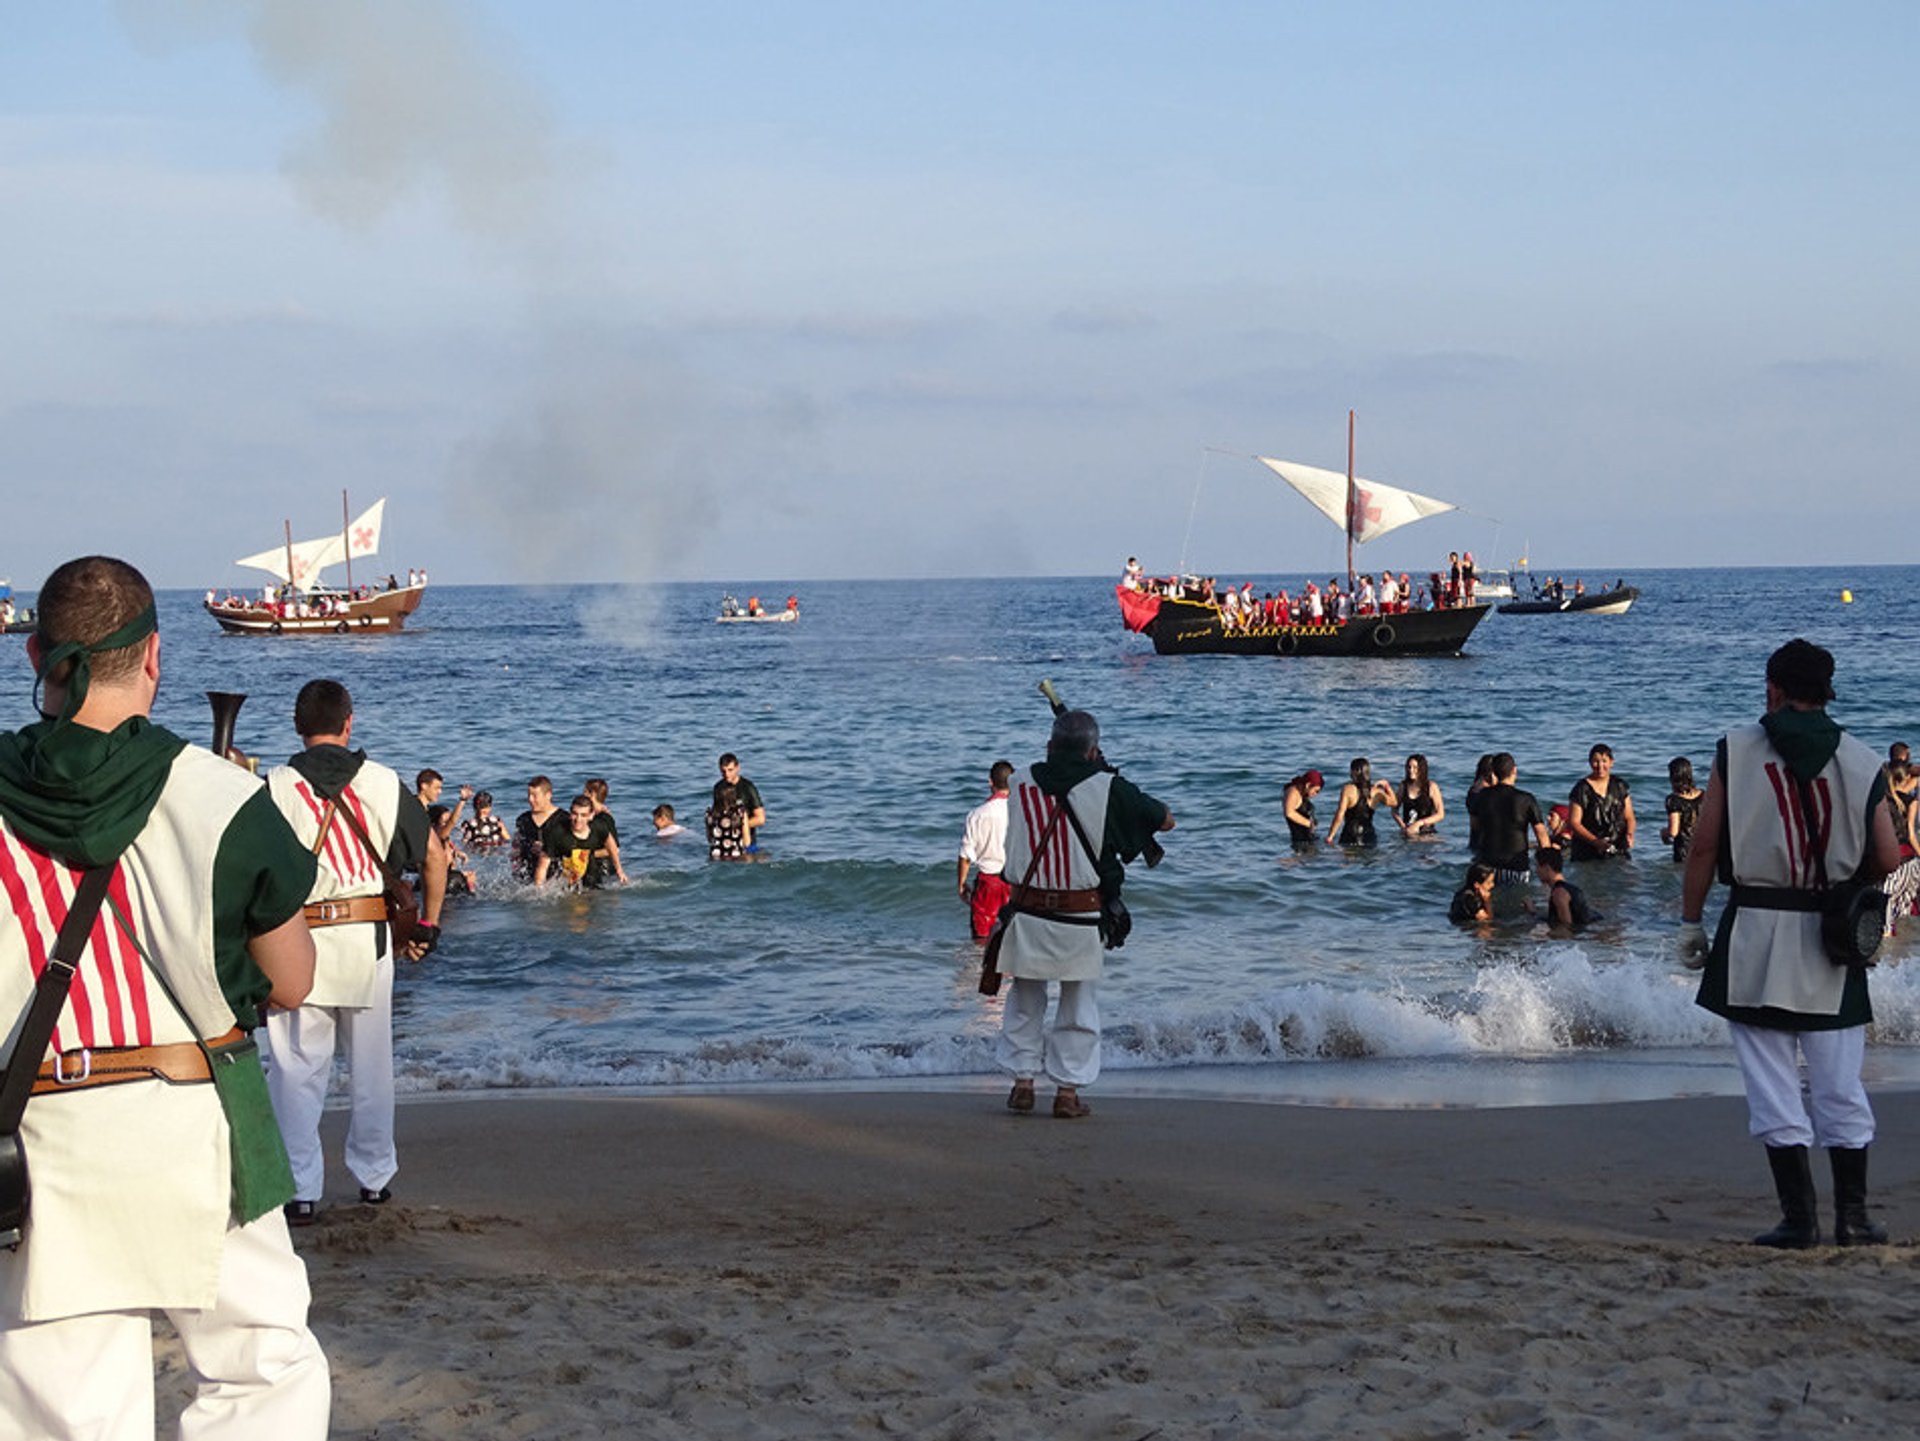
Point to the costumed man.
(352, 814)
(1794, 804)
(983, 849)
(1073, 825)
(151, 1188)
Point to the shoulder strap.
(1039, 851)
(50, 995)
(354, 825)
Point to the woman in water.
(1683, 805)
(1600, 811)
(1904, 883)
(1472, 904)
(1297, 805)
(1353, 821)
(1420, 807)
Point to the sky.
(808, 289)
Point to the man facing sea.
(983, 847)
(152, 1189)
(1794, 803)
(1073, 824)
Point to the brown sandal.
(1067, 1105)
(1020, 1099)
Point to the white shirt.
(983, 842)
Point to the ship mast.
(346, 539)
(1350, 505)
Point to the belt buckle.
(60, 1076)
(331, 910)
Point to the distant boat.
(302, 604)
(1598, 602)
(753, 613)
(1365, 510)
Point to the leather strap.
(182, 1062)
(1037, 899)
(345, 911)
(50, 995)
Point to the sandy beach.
(927, 1265)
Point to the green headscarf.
(80, 793)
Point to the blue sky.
(744, 291)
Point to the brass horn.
(226, 710)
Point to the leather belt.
(182, 1063)
(348, 910)
(1035, 898)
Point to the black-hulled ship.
(1192, 627)
(1178, 624)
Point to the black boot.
(1851, 1224)
(1799, 1226)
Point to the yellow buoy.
(1846, 597)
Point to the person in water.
(747, 792)
(1507, 816)
(1473, 903)
(530, 825)
(483, 830)
(1683, 805)
(1353, 821)
(1420, 807)
(1600, 810)
(583, 850)
(1567, 908)
(1297, 806)
(665, 827)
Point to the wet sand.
(927, 1265)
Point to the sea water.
(842, 955)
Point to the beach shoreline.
(922, 1263)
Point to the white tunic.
(1775, 958)
(983, 840)
(130, 1182)
(1036, 947)
(346, 962)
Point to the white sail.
(310, 557)
(1377, 508)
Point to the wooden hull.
(1182, 627)
(379, 614)
(1605, 602)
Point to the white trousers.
(1776, 1112)
(1070, 1052)
(259, 1371)
(299, 1052)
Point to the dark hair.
(87, 600)
(1504, 765)
(1483, 768)
(1479, 873)
(1419, 761)
(597, 789)
(1549, 858)
(1360, 772)
(429, 774)
(542, 782)
(729, 759)
(436, 814)
(1001, 773)
(482, 798)
(1680, 773)
(1599, 748)
(1076, 735)
(322, 708)
(1803, 672)
(663, 812)
(586, 801)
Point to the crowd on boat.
(290, 602)
(1516, 843)
(731, 609)
(1243, 608)
(1554, 588)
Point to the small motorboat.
(1599, 602)
(734, 613)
